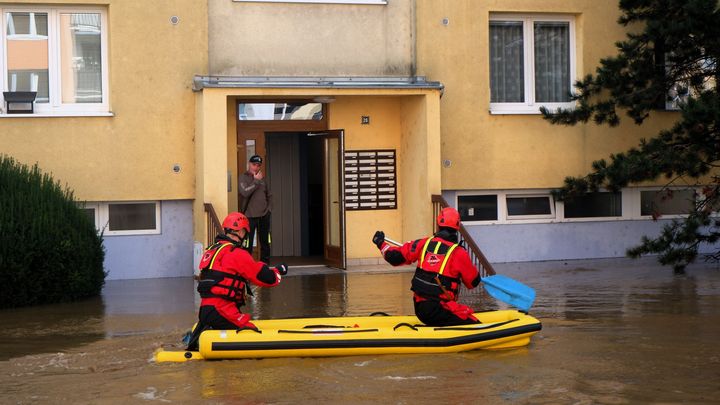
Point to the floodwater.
(614, 332)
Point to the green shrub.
(50, 250)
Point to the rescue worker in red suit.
(442, 264)
(225, 271)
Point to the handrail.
(213, 224)
(476, 255)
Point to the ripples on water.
(615, 331)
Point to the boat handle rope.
(379, 313)
(252, 329)
(327, 331)
(325, 326)
(400, 325)
(492, 325)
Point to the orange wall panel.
(27, 55)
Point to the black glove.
(379, 238)
(282, 268)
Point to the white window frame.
(55, 107)
(630, 199)
(637, 201)
(502, 214)
(102, 218)
(551, 215)
(373, 2)
(529, 106)
(96, 208)
(626, 200)
(498, 214)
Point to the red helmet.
(449, 218)
(236, 221)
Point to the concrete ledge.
(366, 261)
(378, 268)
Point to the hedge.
(50, 250)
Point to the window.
(125, 218)
(666, 202)
(492, 207)
(132, 217)
(280, 111)
(532, 62)
(528, 207)
(594, 205)
(702, 71)
(506, 206)
(478, 207)
(61, 54)
(91, 211)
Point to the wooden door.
(333, 197)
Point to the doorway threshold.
(298, 261)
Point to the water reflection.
(50, 327)
(141, 307)
(346, 294)
(613, 332)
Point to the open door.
(333, 197)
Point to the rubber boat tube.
(364, 335)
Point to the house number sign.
(370, 179)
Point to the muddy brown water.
(614, 332)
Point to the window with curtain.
(531, 62)
(58, 53)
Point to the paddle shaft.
(392, 242)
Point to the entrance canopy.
(418, 82)
(399, 114)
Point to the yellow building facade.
(114, 117)
(150, 110)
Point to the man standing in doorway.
(256, 205)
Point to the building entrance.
(303, 161)
(296, 180)
(304, 177)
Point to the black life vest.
(228, 286)
(429, 280)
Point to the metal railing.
(476, 255)
(213, 226)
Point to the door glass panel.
(280, 111)
(332, 185)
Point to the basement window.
(530, 207)
(666, 202)
(594, 205)
(478, 207)
(124, 218)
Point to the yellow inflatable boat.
(365, 335)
